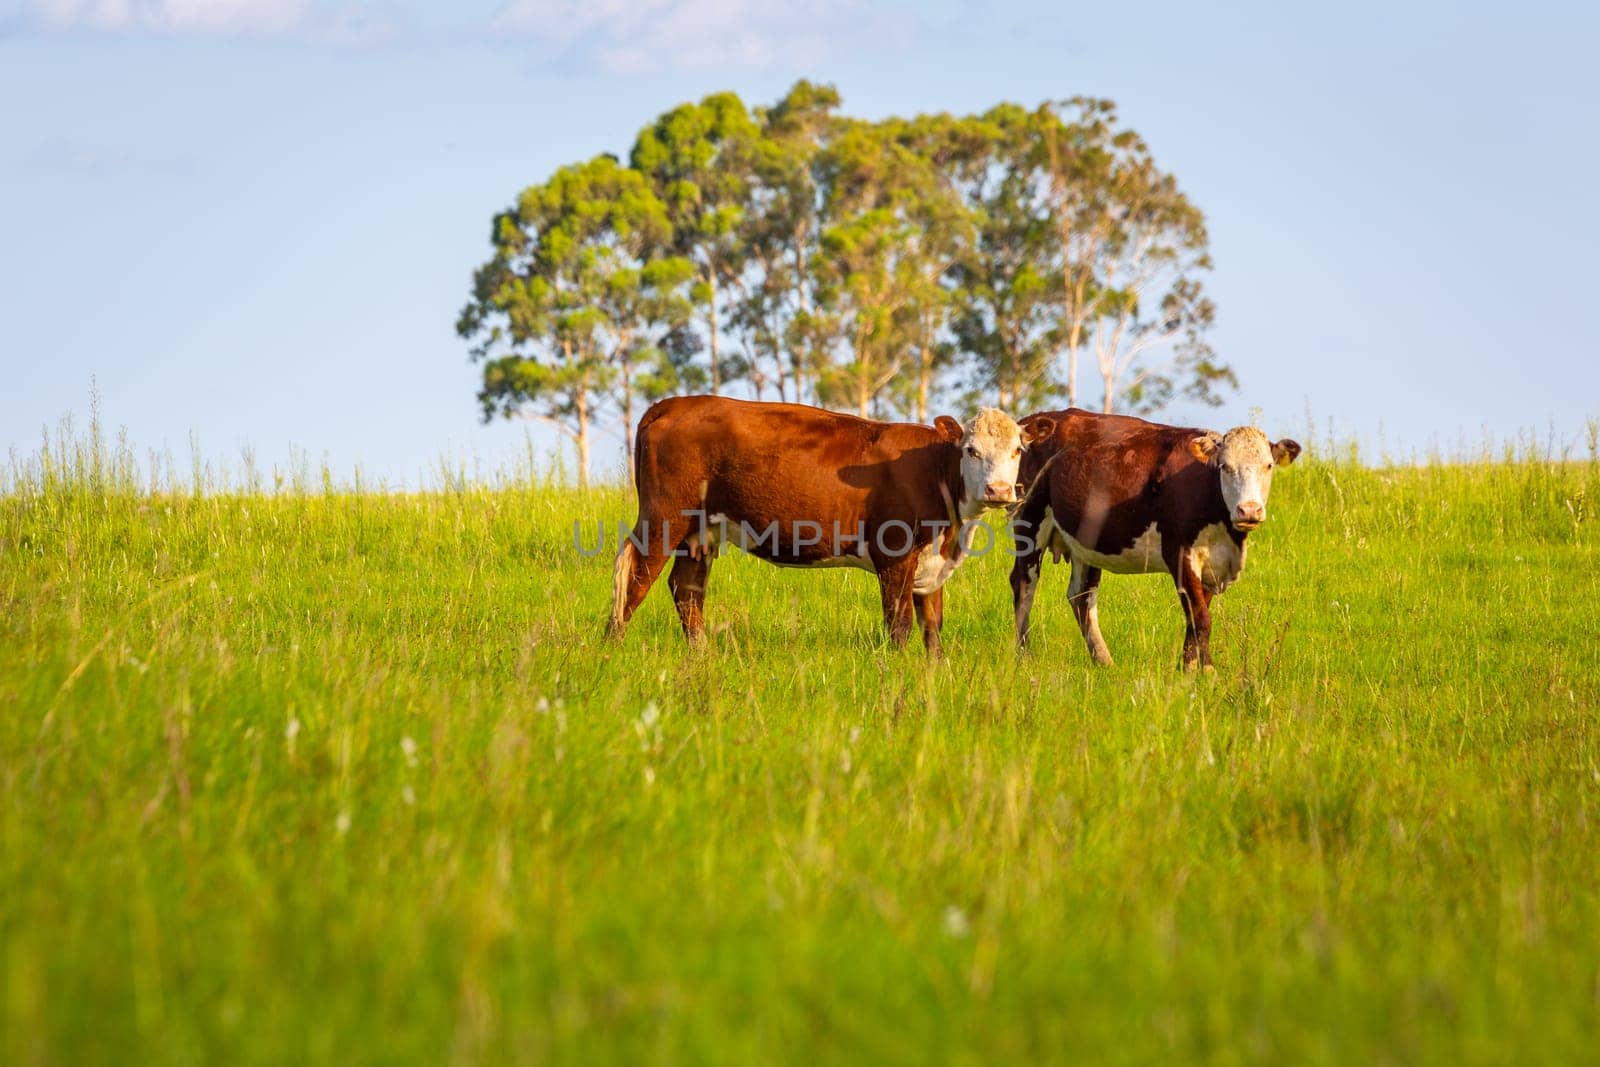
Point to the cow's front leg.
(894, 583)
(1025, 579)
(1084, 593)
(930, 613)
(1196, 602)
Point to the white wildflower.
(341, 825)
(955, 922)
(408, 748)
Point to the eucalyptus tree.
(1007, 292)
(697, 157)
(782, 223)
(1131, 247)
(562, 313)
(848, 263)
(647, 305)
(943, 240)
(886, 243)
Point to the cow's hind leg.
(930, 613)
(1084, 592)
(635, 572)
(687, 580)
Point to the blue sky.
(254, 221)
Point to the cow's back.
(1107, 479)
(760, 463)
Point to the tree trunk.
(711, 319)
(627, 416)
(925, 373)
(797, 358)
(1075, 312)
(863, 374)
(583, 439)
(1072, 365)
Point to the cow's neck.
(959, 508)
(966, 509)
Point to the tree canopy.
(790, 252)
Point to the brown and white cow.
(1124, 495)
(803, 487)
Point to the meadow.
(297, 771)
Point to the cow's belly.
(1215, 558)
(721, 530)
(1141, 557)
(858, 562)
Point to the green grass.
(308, 777)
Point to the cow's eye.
(1269, 466)
(972, 451)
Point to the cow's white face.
(1244, 460)
(991, 450)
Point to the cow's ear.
(1204, 448)
(1038, 430)
(950, 428)
(1285, 452)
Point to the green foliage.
(1009, 291)
(311, 777)
(1131, 248)
(891, 230)
(789, 344)
(698, 158)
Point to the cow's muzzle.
(1248, 516)
(998, 494)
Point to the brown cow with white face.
(1128, 496)
(803, 487)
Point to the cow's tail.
(621, 580)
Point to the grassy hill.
(352, 778)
